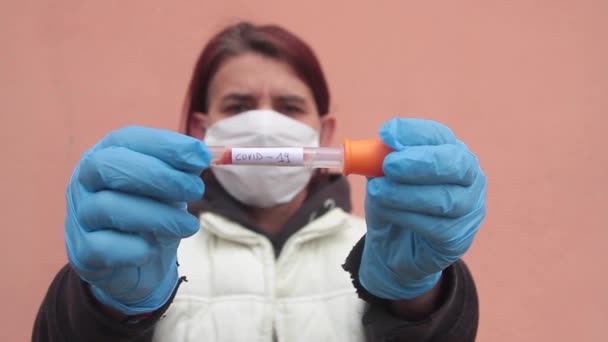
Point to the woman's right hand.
(126, 214)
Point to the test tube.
(362, 157)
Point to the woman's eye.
(290, 110)
(235, 109)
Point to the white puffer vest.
(238, 291)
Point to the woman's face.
(252, 81)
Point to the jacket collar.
(326, 192)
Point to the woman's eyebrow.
(290, 98)
(241, 97)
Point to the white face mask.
(262, 186)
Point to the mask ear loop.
(318, 176)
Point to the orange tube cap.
(365, 157)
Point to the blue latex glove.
(423, 215)
(126, 214)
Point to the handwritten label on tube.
(276, 156)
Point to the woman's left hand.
(423, 214)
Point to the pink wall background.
(524, 83)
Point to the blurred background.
(523, 83)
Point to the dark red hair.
(267, 40)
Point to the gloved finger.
(135, 215)
(121, 169)
(93, 253)
(178, 150)
(441, 164)
(399, 133)
(445, 200)
(449, 236)
(392, 255)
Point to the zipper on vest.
(271, 262)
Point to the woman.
(265, 264)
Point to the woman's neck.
(272, 220)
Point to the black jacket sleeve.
(456, 319)
(69, 313)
